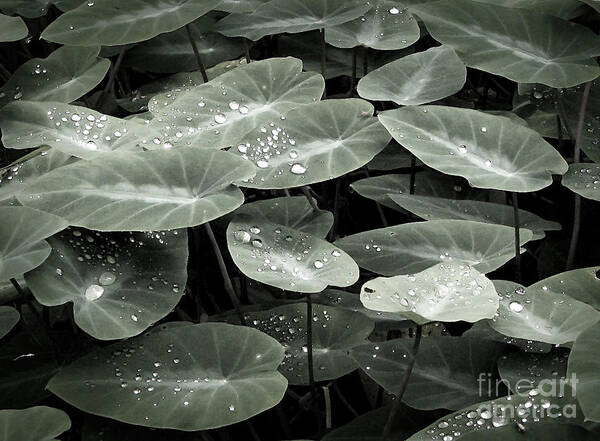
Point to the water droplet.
(394, 11)
(515, 306)
(234, 105)
(94, 292)
(318, 264)
(242, 236)
(107, 278)
(220, 118)
(298, 169)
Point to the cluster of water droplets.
(587, 178)
(537, 367)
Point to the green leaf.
(74, 130)
(291, 16)
(548, 431)
(540, 314)
(39, 423)
(584, 179)
(172, 52)
(416, 79)
(240, 6)
(66, 75)
(293, 212)
(112, 22)
(483, 330)
(521, 45)
(384, 27)
(223, 111)
(182, 376)
(392, 157)
(335, 332)
(412, 247)
(447, 292)
(9, 317)
(489, 151)
(12, 28)
(582, 284)
(25, 8)
(522, 372)
(593, 3)
(445, 374)
(559, 8)
(313, 143)
(280, 256)
(431, 208)
(584, 364)
(156, 190)
(118, 290)
(22, 234)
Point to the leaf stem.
(323, 57)
(247, 50)
(336, 209)
(398, 401)
(365, 61)
(226, 279)
(576, 159)
(111, 79)
(517, 222)
(327, 395)
(196, 53)
(413, 173)
(309, 198)
(353, 78)
(309, 341)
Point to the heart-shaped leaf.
(413, 247)
(489, 151)
(431, 208)
(12, 28)
(22, 234)
(584, 179)
(446, 292)
(39, 423)
(286, 258)
(334, 331)
(540, 314)
(291, 16)
(227, 375)
(522, 372)
(112, 22)
(521, 45)
(445, 374)
(416, 79)
(67, 74)
(293, 212)
(386, 26)
(223, 111)
(582, 284)
(119, 283)
(9, 317)
(156, 190)
(314, 143)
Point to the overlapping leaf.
(584, 179)
(12, 28)
(39, 423)
(227, 375)
(156, 190)
(522, 372)
(9, 317)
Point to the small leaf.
(584, 179)
(9, 317)
(181, 376)
(22, 234)
(25, 8)
(416, 79)
(156, 190)
(447, 292)
(413, 247)
(39, 423)
(119, 283)
(490, 151)
(12, 28)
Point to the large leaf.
(172, 52)
(522, 372)
(12, 28)
(67, 74)
(445, 374)
(413, 247)
(334, 331)
(314, 143)
(584, 179)
(293, 212)
(112, 22)
(286, 258)
(559, 8)
(582, 284)
(34, 424)
(223, 111)
(386, 26)
(483, 330)
(156, 190)
(489, 151)
(593, 3)
(540, 314)
(119, 283)
(416, 79)
(182, 376)
(22, 234)
(25, 8)
(584, 364)
(291, 16)
(431, 208)
(447, 292)
(74, 130)
(521, 45)
(239, 6)
(9, 317)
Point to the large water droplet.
(298, 169)
(515, 306)
(107, 278)
(94, 292)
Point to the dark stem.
(336, 209)
(413, 173)
(563, 114)
(576, 159)
(323, 56)
(4, 73)
(398, 400)
(226, 279)
(247, 50)
(343, 399)
(365, 61)
(309, 341)
(196, 53)
(327, 395)
(378, 205)
(111, 79)
(353, 78)
(309, 198)
(32, 308)
(515, 203)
